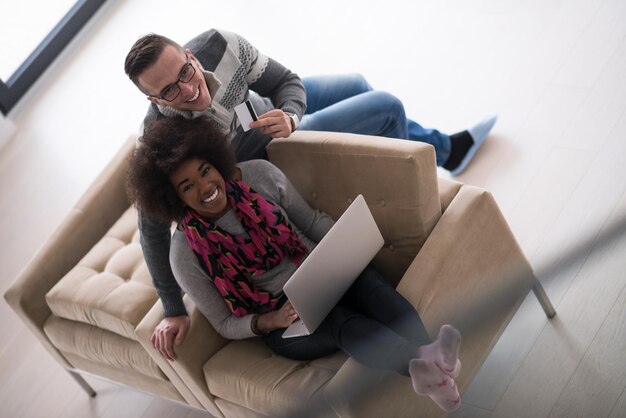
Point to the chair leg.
(543, 299)
(83, 384)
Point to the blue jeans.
(347, 103)
(372, 323)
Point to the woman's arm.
(197, 284)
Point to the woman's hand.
(280, 318)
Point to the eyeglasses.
(171, 92)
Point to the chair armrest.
(471, 273)
(186, 373)
(97, 210)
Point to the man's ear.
(191, 55)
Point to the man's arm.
(283, 87)
(269, 78)
(263, 74)
(254, 71)
(155, 241)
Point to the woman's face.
(201, 187)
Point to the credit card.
(246, 114)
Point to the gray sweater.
(310, 225)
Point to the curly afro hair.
(167, 143)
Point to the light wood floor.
(554, 70)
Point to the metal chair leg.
(543, 299)
(83, 384)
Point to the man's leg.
(326, 90)
(348, 104)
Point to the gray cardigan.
(311, 225)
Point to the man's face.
(164, 74)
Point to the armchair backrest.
(397, 178)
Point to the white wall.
(84, 107)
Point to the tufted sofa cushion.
(110, 288)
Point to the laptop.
(331, 268)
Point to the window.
(14, 83)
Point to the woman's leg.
(364, 339)
(371, 323)
(375, 344)
(434, 364)
(374, 297)
(319, 344)
(369, 341)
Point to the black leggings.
(372, 323)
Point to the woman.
(243, 230)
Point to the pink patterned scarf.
(231, 260)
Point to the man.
(218, 70)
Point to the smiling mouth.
(212, 198)
(195, 97)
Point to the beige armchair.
(88, 297)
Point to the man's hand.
(171, 330)
(275, 123)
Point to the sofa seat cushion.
(247, 373)
(110, 287)
(100, 346)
